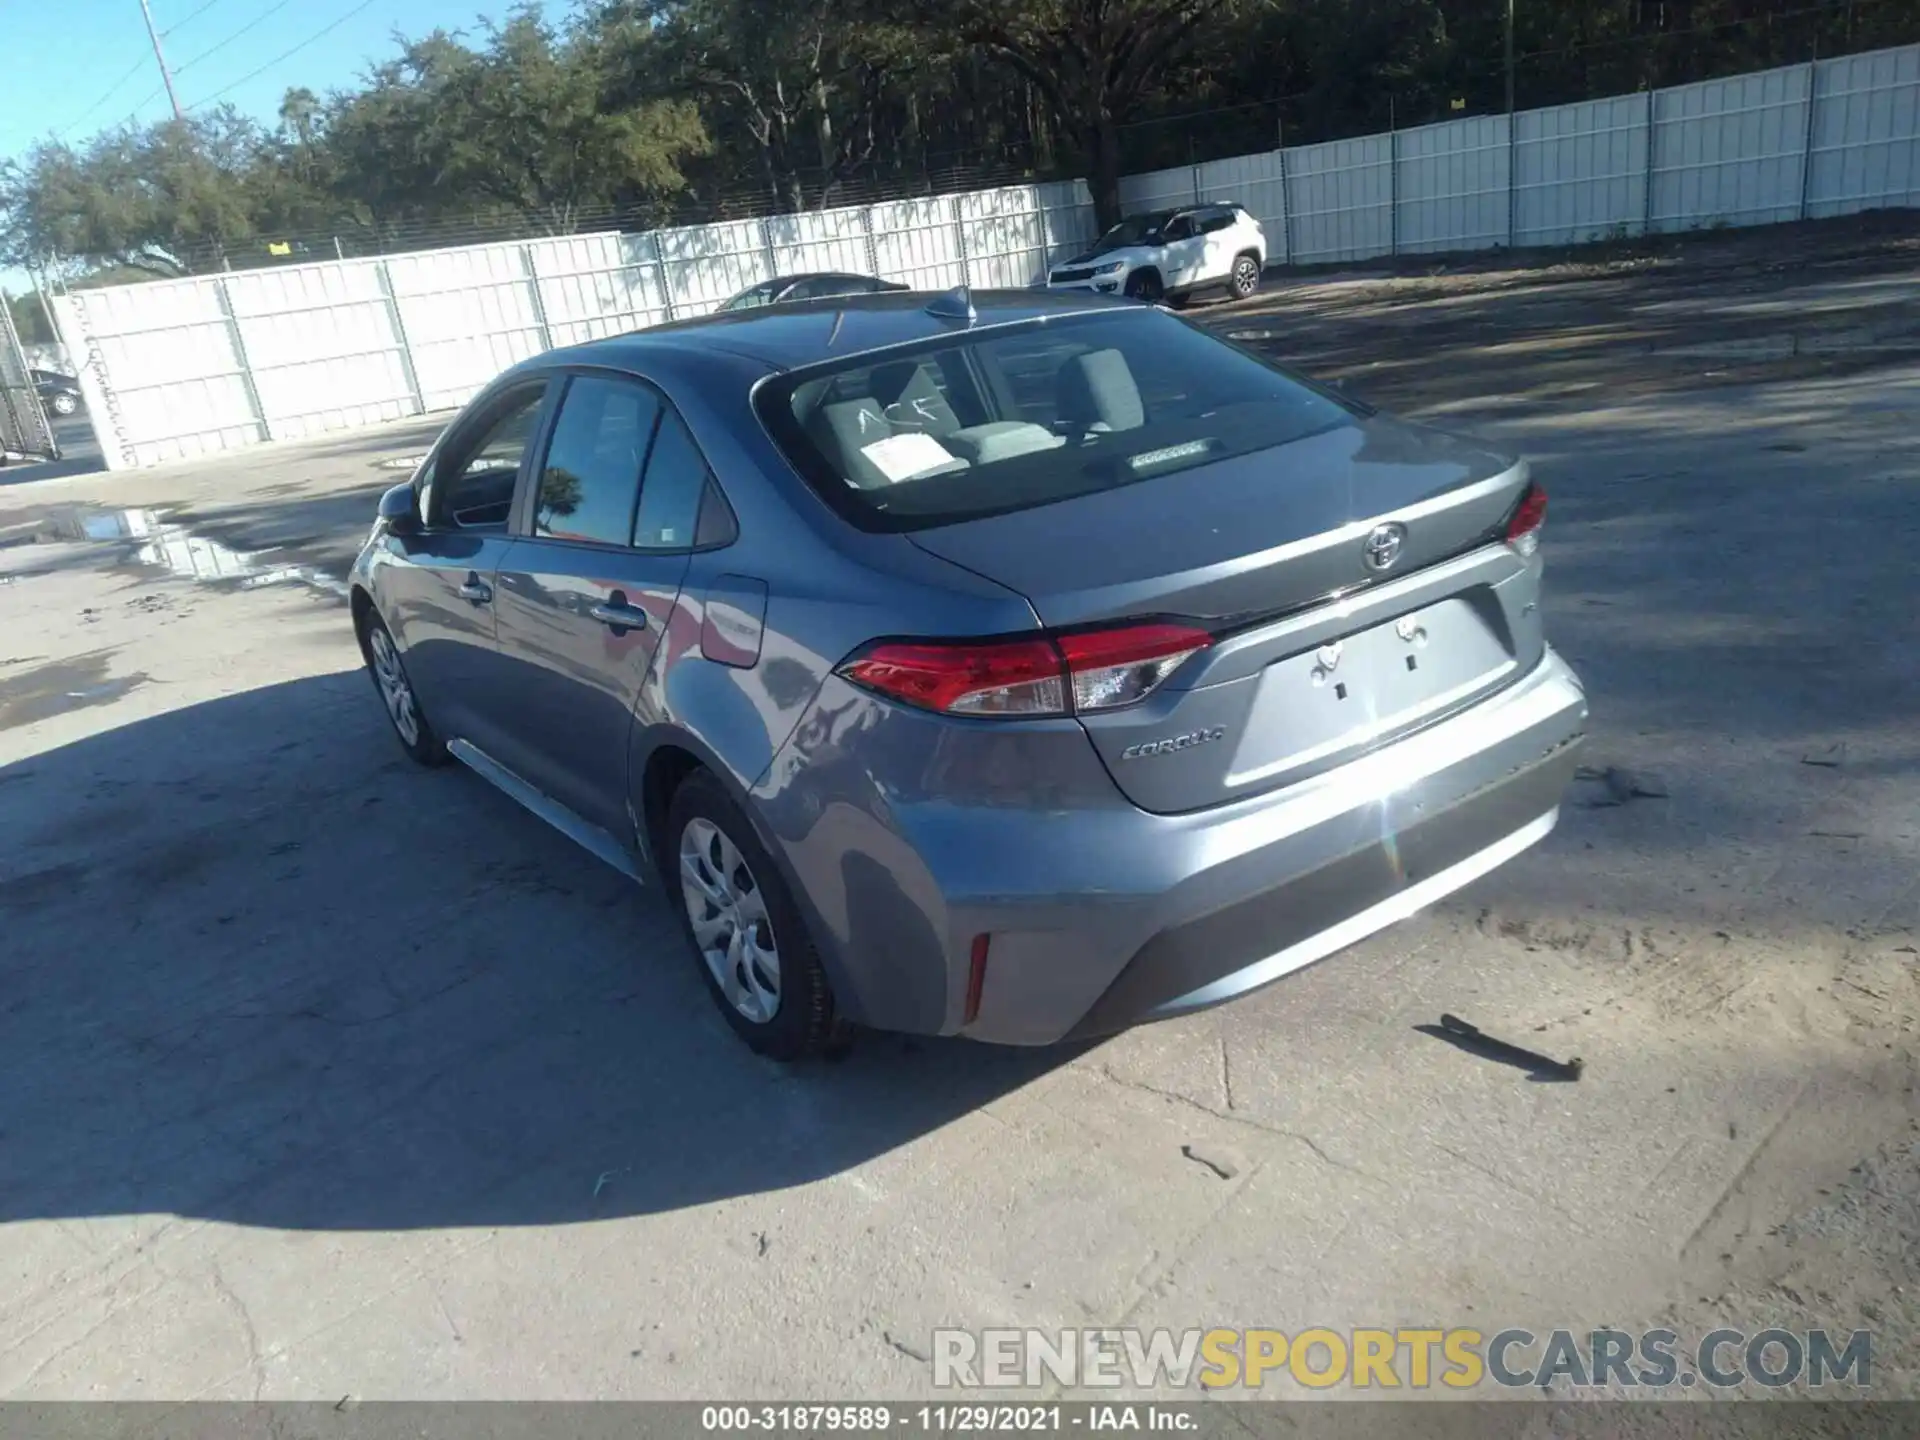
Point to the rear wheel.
(63, 404)
(1245, 278)
(410, 726)
(759, 963)
(1145, 286)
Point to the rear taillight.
(1021, 677)
(1109, 668)
(1083, 671)
(1523, 530)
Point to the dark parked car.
(783, 289)
(1020, 667)
(60, 394)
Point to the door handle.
(476, 590)
(618, 614)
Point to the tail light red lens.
(1523, 530)
(1067, 674)
(1021, 677)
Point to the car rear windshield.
(1008, 418)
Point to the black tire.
(1245, 277)
(1145, 286)
(424, 745)
(802, 1024)
(63, 404)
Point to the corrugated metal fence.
(1830, 138)
(178, 368)
(184, 367)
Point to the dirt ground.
(327, 1076)
(1825, 299)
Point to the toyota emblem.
(1383, 546)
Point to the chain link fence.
(348, 239)
(24, 430)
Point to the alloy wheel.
(1246, 276)
(394, 689)
(727, 913)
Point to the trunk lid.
(1321, 656)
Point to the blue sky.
(78, 66)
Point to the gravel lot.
(324, 1075)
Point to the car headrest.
(890, 382)
(911, 398)
(1097, 390)
(843, 428)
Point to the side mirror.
(400, 508)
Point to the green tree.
(29, 321)
(715, 108)
(137, 197)
(806, 84)
(1098, 63)
(559, 495)
(523, 122)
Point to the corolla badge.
(1174, 742)
(1383, 545)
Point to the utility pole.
(1510, 54)
(46, 309)
(166, 75)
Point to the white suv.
(1171, 254)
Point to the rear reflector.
(976, 978)
(1067, 674)
(1523, 530)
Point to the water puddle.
(147, 540)
(61, 687)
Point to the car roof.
(1201, 207)
(803, 332)
(799, 275)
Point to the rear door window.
(670, 496)
(590, 478)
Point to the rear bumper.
(1105, 918)
(1308, 916)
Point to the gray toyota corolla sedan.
(1014, 666)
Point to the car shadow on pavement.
(259, 968)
